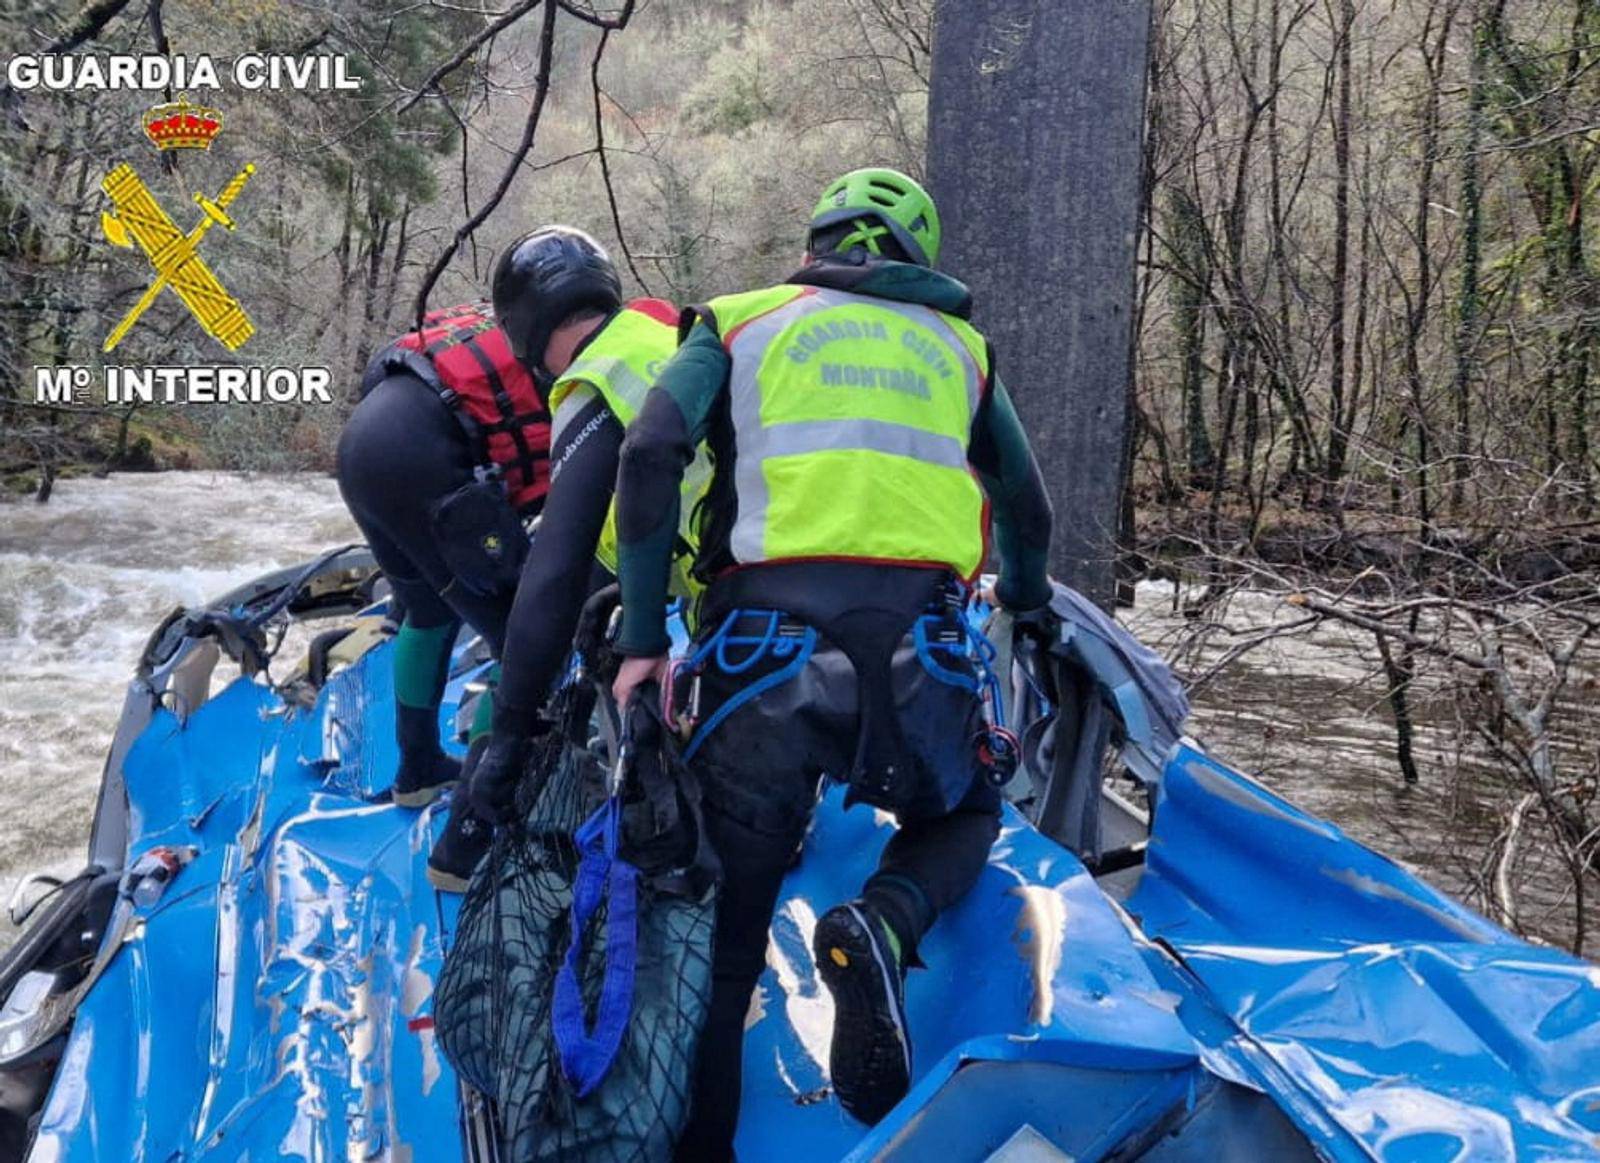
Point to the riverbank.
(40, 446)
(1367, 546)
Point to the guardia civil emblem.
(137, 220)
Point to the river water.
(84, 578)
(83, 581)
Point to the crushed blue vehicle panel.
(1425, 1031)
(1271, 989)
(275, 1002)
(1036, 971)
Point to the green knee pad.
(483, 713)
(422, 663)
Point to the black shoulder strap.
(510, 422)
(404, 359)
(699, 313)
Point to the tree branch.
(512, 15)
(600, 146)
(90, 20)
(589, 16)
(530, 127)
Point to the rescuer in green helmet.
(856, 429)
(883, 212)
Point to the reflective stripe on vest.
(852, 416)
(622, 363)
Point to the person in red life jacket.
(443, 463)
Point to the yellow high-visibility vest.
(852, 416)
(622, 362)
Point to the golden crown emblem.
(182, 124)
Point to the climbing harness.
(943, 637)
(996, 747)
(781, 637)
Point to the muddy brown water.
(84, 579)
(1309, 716)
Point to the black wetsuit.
(760, 771)
(401, 453)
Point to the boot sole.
(870, 1057)
(422, 797)
(447, 881)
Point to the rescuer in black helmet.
(448, 457)
(545, 278)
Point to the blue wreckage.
(246, 968)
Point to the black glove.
(493, 789)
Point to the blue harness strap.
(769, 642)
(586, 1056)
(974, 648)
(999, 749)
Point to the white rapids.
(83, 581)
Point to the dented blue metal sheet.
(1425, 1031)
(276, 1002)
(1034, 954)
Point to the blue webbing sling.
(602, 875)
(580, 972)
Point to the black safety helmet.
(545, 278)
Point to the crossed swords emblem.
(137, 218)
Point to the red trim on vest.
(492, 394)
(988, 527)
(658, 309)
(837, 558)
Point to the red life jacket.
(465, 357)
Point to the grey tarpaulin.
(1106, 689)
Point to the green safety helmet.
(879, 202)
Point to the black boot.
(464, 844)
(425, 770)
(466, 837)
(859, 961)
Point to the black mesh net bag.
(608, 1090)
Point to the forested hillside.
(720, 120)
(1368, 274)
